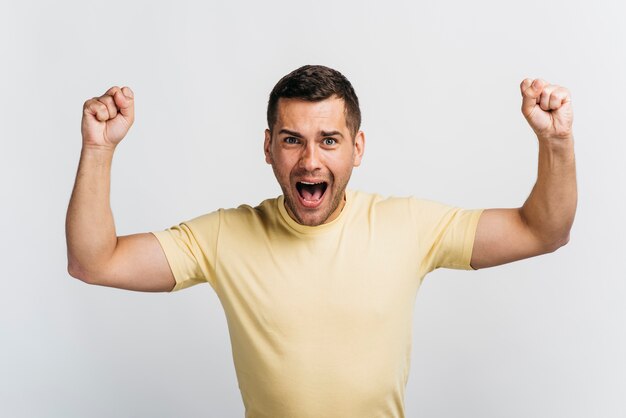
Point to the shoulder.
(375, 206)
(245, 215)
(264, 210)
(377, 201)
(401, 209)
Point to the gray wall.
(438, 82)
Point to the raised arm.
(543, 223)
(96, 255)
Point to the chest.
(326, 288)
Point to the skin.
(311, 142)
(543, 223)
(308, 152)
(96, 255)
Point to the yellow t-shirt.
(320, 317)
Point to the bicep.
(138, 263)
(501, 237)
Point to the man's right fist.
(107, 119)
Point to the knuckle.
(89, 102)
(106, 99)
(101, 109)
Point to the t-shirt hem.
(470, 238)
(170, 250)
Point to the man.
(318, 284)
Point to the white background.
(438, 84)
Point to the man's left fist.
(547, 108)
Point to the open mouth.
(311, 192)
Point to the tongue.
(312, 192)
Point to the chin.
(313, 216)
(308, 217)
(312, 202)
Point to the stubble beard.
(339, 197)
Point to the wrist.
(556, 142)
(98, 149)
(557, 150)
(101, 155)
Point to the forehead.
(327, 114)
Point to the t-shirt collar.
(305, 229)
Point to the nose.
(310, 158)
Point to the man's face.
(312, 154)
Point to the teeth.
(310, 184)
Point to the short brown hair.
(315, 83)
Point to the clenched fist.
(547, 108)
(107, 119)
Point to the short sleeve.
(445, 234)
(190, 249)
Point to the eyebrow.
(299, 135)
(288, 132)
(331, 133)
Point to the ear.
(359, 148)
(266, 146)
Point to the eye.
(330, 141)
(291, 140)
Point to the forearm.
(549, 210)
(90, 229)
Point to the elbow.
(76, 271)
(88, 271)
(73, 267)
(558, 243)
